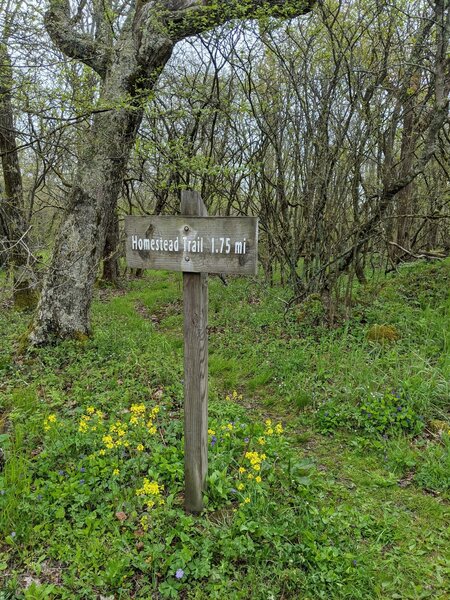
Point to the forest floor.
(329, 459)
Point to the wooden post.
(195, 292)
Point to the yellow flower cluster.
(138, 416)
(270, 430)
(49, 421)
(137, 413)
(91, 415)
(152, 491)
(116, 437)
(255, 460)
(233, 396)
(153, 414)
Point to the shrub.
(388, 413)
(383, 333)
(378, 414)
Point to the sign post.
(195, 300)
(194, 244)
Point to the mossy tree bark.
(128, 67)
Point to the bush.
(379, 414)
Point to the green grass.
(353, 498)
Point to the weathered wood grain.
(193, 244)
(195, 290)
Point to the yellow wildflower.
(247, 500)
(138, 409)
(241, 486)
(279, 428)
(150, 488)
(211, 432)
(269, 431)
(102, 452)
(261, 441)
(258, 479)
(250, 476)
(268, 422)
(90, 410)
(242, 470)
(108, 441)
(140, 447)
(52, 418)
(152, 430)
(83, 427)
(116, 472)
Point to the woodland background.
(331, 127)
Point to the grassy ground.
(344, 434)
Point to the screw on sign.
(195, 244)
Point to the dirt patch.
(163, 312)
(142, 310)
(106, 294)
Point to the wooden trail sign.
(195, 244)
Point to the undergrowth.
(328, 466)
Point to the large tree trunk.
(12, 210)
(63, 309)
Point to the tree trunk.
(12, 210)
(405, 196)
(63, 309)
(111, 252)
